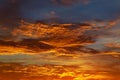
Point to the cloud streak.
(57, 72)
(69, 2)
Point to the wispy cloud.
(69, 2)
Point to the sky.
(59, 39)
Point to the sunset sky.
(59, 39)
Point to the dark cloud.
(69, 2)
(29, 45)
(81, 49)
(9, 13)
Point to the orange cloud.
(62, 38)
(57, 35)
(59, 51)
(52, 72)
(24, 46)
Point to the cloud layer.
(59, 40)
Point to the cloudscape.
(59, 40)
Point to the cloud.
(9, 13)
(24, 46)
(69, 2)
(63, 38)
(41, 51)
(59, 35)
(108, 39)
(58, 72)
